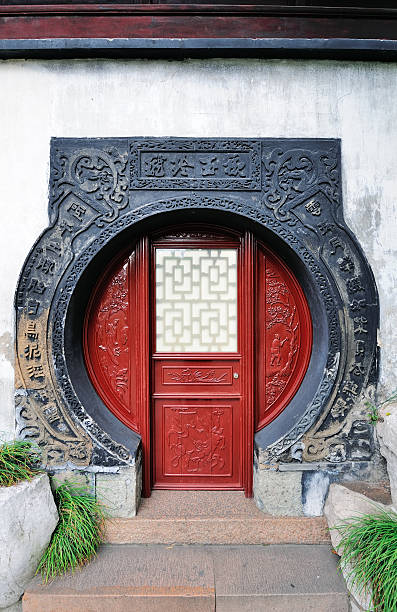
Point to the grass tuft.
(373, 414)
(369, 557)
(77, 535)
(19, 460)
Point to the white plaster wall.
(244, 98)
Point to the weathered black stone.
(103, 192)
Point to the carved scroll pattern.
(88, 187)
(40, 415)
(97, 177)
(112, 335)
(343, 432)
(303, 189)
(198, 440)
(296, 176)
(282, 335)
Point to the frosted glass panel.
(196, 300)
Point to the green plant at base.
(369, 557)
(78, 533)
(373, 413)
(19, 460)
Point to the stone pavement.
(198, 578)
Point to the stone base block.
(278, 493)
(78, 478)
(120, 492)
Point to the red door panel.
(108, 341)
(195, 443)
(205, 377)
(284, 337)
(197, 414)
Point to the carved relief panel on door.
(197, 440)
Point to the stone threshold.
(211, 517)
(266, 530)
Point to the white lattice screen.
(196, 300)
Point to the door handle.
(235, 374)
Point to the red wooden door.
(195, 339)
(197, 361)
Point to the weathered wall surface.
(242, 98)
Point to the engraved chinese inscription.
(204, 165)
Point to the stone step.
(158, 578)
(266, 530)
(211, 517)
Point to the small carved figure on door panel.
(275, 350)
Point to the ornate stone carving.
(195, 164)
(300, 205)
(294, 176)
(97, 176)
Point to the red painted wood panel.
(108, 342)
(284, 338)
(193, 21)
(195, 444)
(198, 403)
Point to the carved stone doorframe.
(105, 191)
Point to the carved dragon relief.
(89, 206)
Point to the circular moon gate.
(291, 201)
